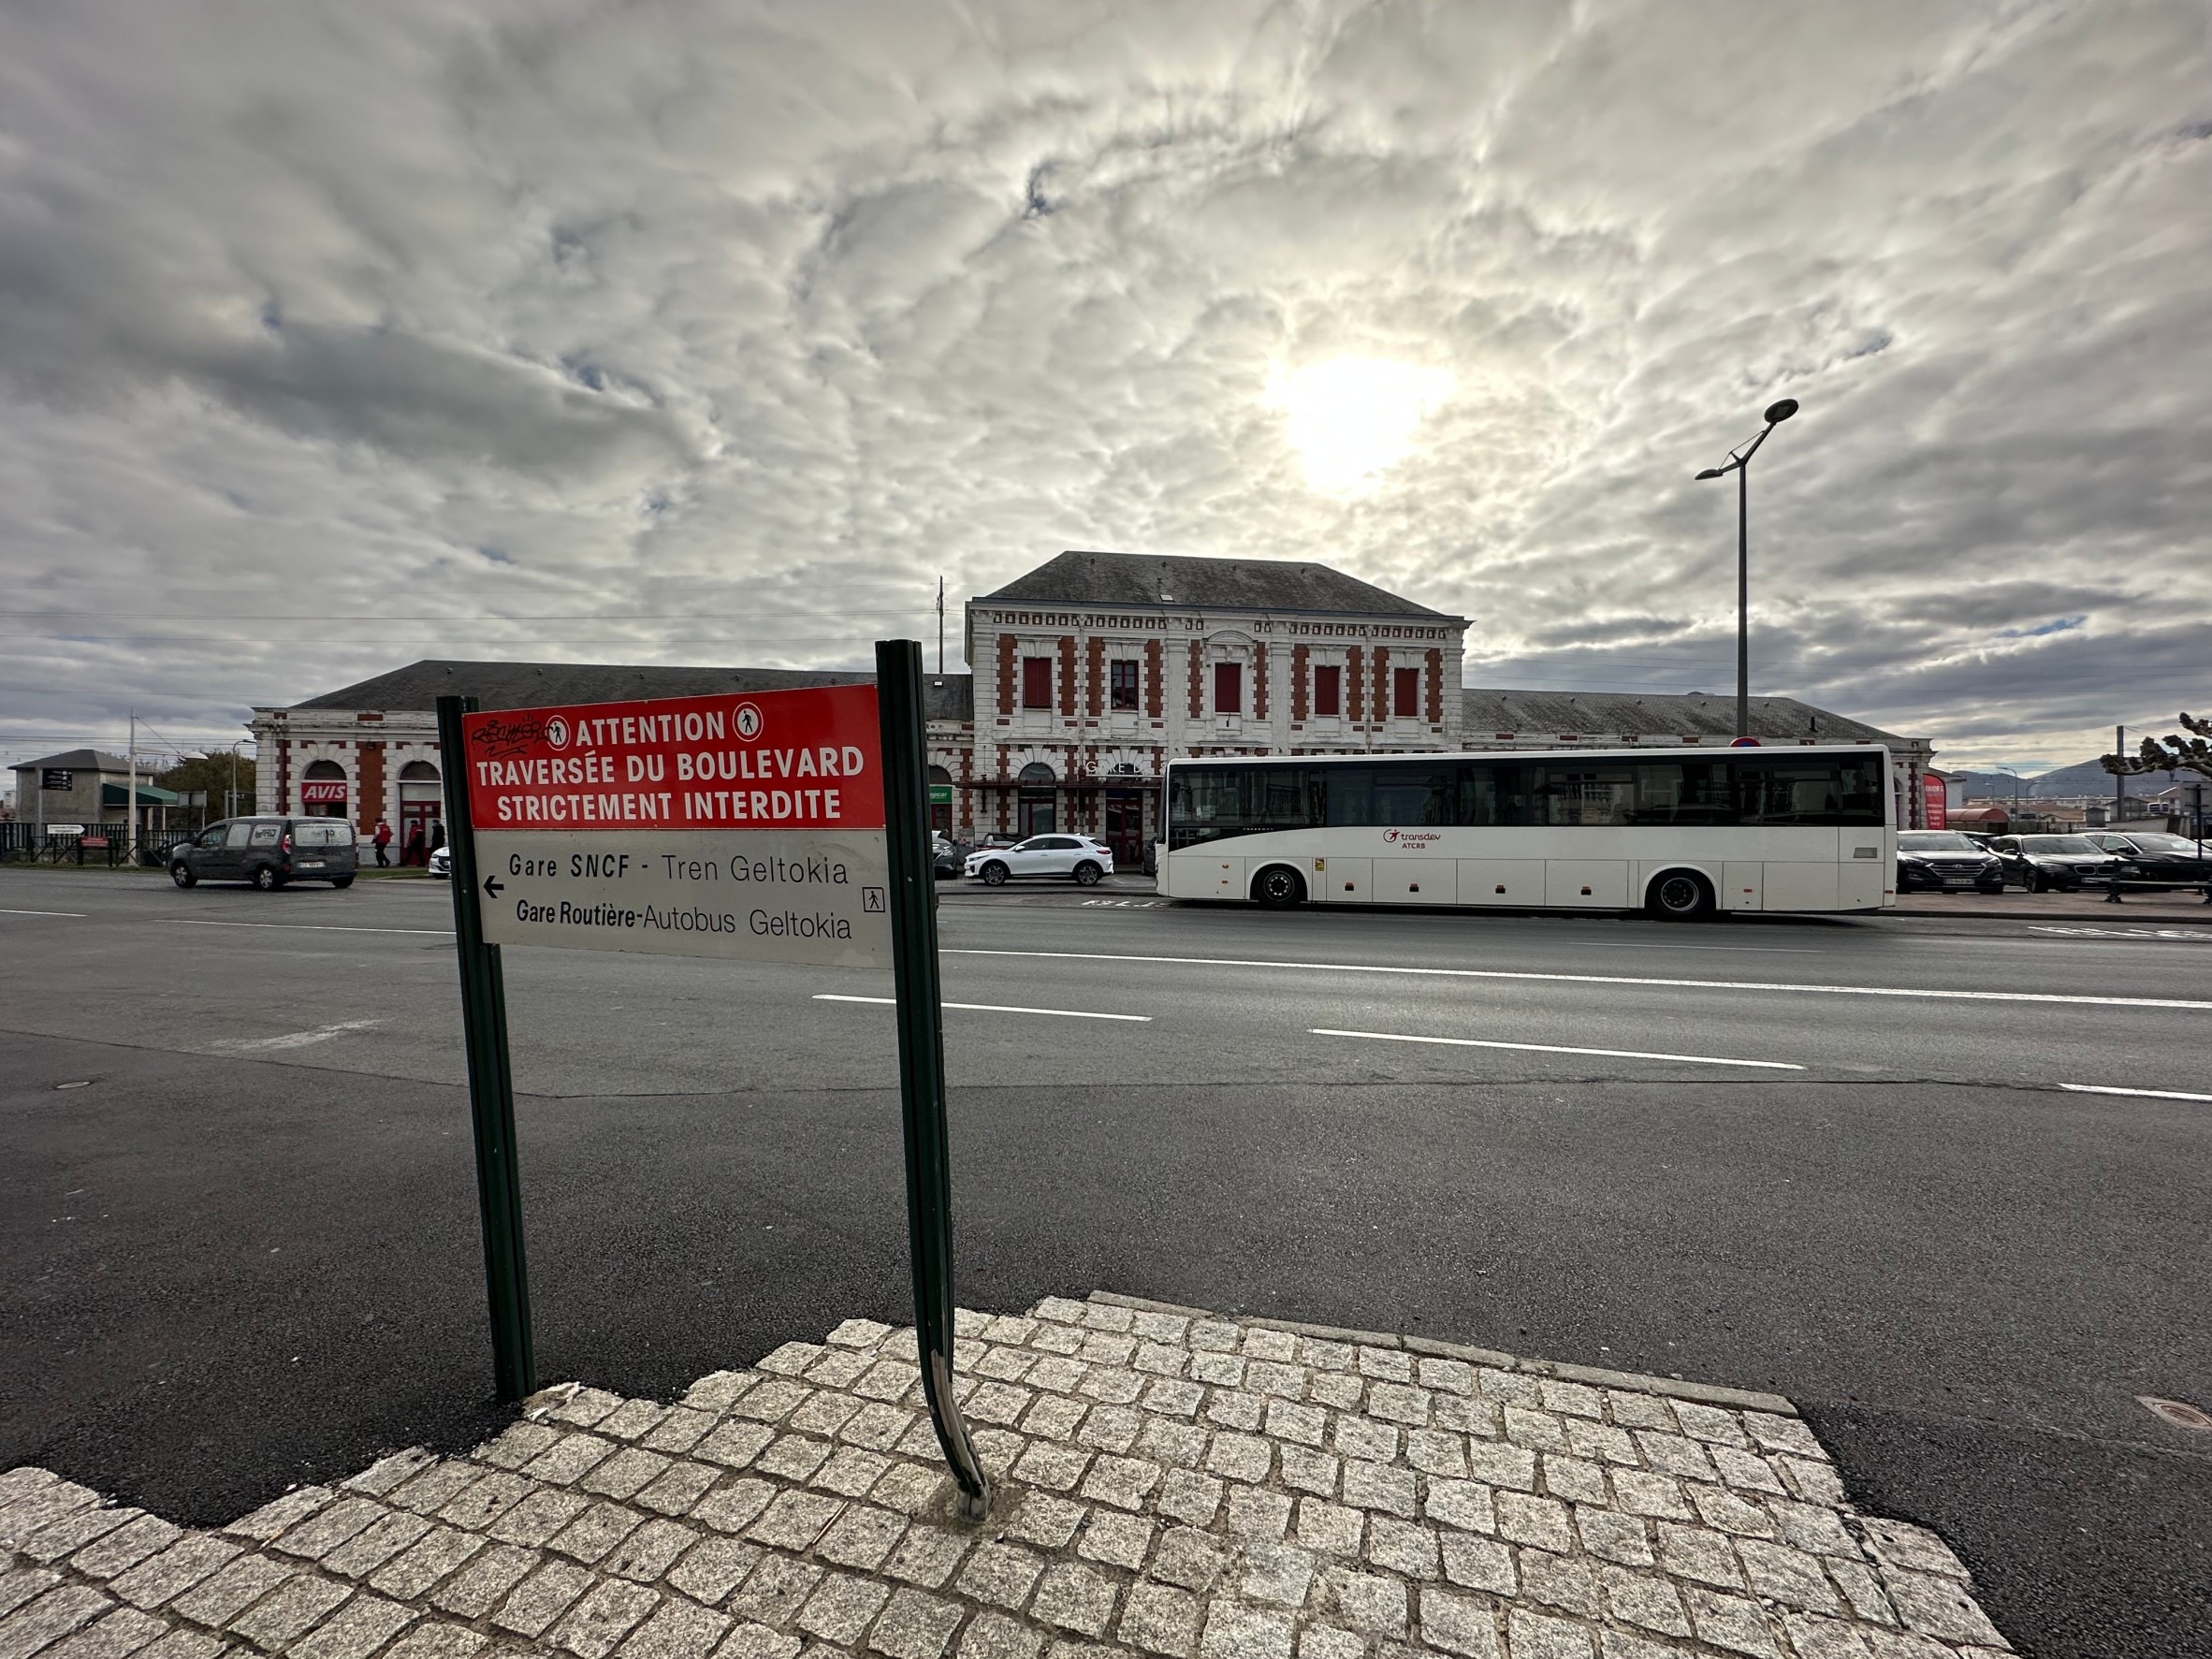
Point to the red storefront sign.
(803, 760)
(1934, 807)
(322, 791)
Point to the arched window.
(418, 772)
(1037, 805)
(1037, 772)
(324, 769)
(939, 775)
(322, 792)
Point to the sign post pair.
(777, 826)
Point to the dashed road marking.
(306, 926)
(73, 915)
(1553, 1048)
(1064, 1013)
(2098, 1089)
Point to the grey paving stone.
(290, 1610)
(437, 1640)
(437, 1486)
(1730, 1621)
(113, 1636)
(852, 1472)
(710, 1569)
(1273, 1573)
(1071, 1597)
(1044, 1520)
(648, 1552)
(1824, 1638)
(1117, 1539)
(1710, 1423)
(1194, 1559)
(1307, 1471)
(1746, 1471)
(1189, 1497)
(163, 1578)
(679, 1486)
(542, 1597)
(1002, 1575)
(680, 1431)
(1236, 1631)
(1401, 1547)
(1171, 1397)
(994, 1636)
(1861, 1589)
(63, 1536)
(1500, 1465)
(1111, 1428)
(1230, 1409)
(1325, 1641)
(356, 1631)
(1677, 1454)
(1330, 1528)
(38, 1624)
(750, 1640)
(775, 1590)
(1341, 1390)
(20, 1584)
(592, 1534)
(1258, 1515)
(1379, 1487)
(1525, 1519)
(41, 1505)
(916, 1626)
(1692, 1552)
(1368, 1602)
(1812, 1527)
(230, 1590)
(1565, 1582)
(387, 1474)
(1638, 1491)
(424, 1564)
(842, 1606)
(927, 1555)
(734, 1445)
(862, 1537)
(603, 1617)
(628, 1472)
(585, 1407)
(1938, 1605)
(1790, 1577)
(1574, 1479)
(124, 1547)
(1437, 1452)
(481, 1586)
(1123, 1482)
(538, 1517)
(679, 1630)
(376, 1544)
(1540, 1635)
(734, 1505)
(473, 1510)
(1157, 1618)
(1643, 1599)
(1173, 1443)
(1053, 1467)
(1479, 1564)
(327, 1527)
(1467, 1504)
(279, 1513)
(1622, 1538)
(1462, 1624)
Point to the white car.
(441, 864)
(1076, 856)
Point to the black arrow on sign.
(491, 885)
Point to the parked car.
(439, 863)
(1076, 856)
(946, 859)
(1944, 860)
(268, 853)
(2171, 861)
(2041, 863)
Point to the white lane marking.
(291, 1039)
(308, 926)
(1066, 1013)
(2095, 1088)
(1599, 979)
(1761, 949)
(1552, 1048)
(2125, 932)
(76, 915)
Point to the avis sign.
(737, 825)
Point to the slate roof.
(1682, 714)
(82, 760)
(1242, 584)
(526, 685)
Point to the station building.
(1090, 672)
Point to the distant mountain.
(2086, 779)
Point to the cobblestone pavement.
(1170, 1486)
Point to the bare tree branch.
(2167, 754)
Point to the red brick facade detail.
(1068, 675)
(1356, 685)
(1154, 677)
(1259, 682)
(1197, 675)
(1094, 691)
(1381, 702)
(284, 777)
(369, 792)
(1434, 703)
(1298, 676)
(1006, 674)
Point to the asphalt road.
(243, 1253)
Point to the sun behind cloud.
(1353, 419)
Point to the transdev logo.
(748, 718)
(1418, 840)
(556, 731)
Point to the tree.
(213, 773)
(2167, 754)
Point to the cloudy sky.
(333, 336)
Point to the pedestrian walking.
(414, 854)
(383, 838)
(437, 833)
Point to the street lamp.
(1739, 464)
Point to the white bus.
(1683, 833)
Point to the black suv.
(2041, 863)
(268, 853)
(1945, 861)
(2174, 861)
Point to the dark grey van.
(268, 853)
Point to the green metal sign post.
(922, 1053)
(491, 1079)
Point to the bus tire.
(1680, 895)
(1279, 888)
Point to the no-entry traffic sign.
(740, 825)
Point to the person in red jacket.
(383, 838)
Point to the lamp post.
(1739, 464)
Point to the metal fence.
(99, 844)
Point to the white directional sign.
(748, 826)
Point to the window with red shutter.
(1229, 688)
(1328, 692)
(1405, 692)
(1037, 682)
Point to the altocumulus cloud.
(689, 332)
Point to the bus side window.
(1351, 795)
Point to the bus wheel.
(1680, 895)
(1280, 889)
